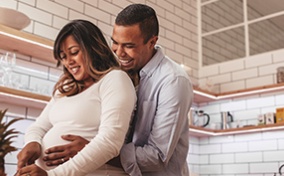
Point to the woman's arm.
(117, 101)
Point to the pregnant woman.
(93, 98)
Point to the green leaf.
(6, 136)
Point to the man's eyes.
(114, 42)
(129, 46)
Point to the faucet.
(280, 169)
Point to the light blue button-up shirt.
(160, 141)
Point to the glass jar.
(280, 74)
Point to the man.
(160, 139)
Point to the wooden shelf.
(26, 43)
(41, 48)
(20, 97)
(204, 132)
(201, 96)
(23, 97)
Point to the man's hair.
(140, 14)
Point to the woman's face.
(72, 58)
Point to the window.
(233, 29)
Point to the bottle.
(280, 74)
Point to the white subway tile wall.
(244, 74)
(41, 16)
(244, 154)
(45, 30)
(53, 8)
(258, 60)
(254, 71)
(257, 154)
(49, 16)
(233, 66)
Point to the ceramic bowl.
(13, 18)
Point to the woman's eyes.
(64, 56)
(74, 53)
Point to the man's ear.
(153, 41)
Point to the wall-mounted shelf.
(41, 48)
(20, 97)
(204, 132)
(26, 43)
(10, 95)
(202, 96)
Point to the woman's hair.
(97, 55)
(140, 14)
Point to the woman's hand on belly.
(59, 154)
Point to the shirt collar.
(153, 63)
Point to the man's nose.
(120, 51)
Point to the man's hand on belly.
(59, 154)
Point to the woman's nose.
(68, 61)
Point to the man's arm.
(115, 162)
(168, 125)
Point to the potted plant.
(6, 136)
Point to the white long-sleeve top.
(100, 114)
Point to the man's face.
(128, 45)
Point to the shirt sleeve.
(170, 118)
(118, 99)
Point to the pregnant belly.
(53, 138)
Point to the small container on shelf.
(280, 75)
(280, 115)
(269, 118)
(261, 119)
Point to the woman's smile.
(74, 70)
